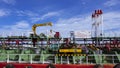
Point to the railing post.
(74, 59)
(55, 59)
(87, 59)
(43, 58)
(7, 58)
(61, 59)
(31, 58)
(19, 58)
(100, 58)
(68, 60)
(80, 61)
(113, 59)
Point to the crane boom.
(37, 25)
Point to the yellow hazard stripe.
(70, 50)
(70, 55)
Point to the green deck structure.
(47, 52)
(118, 56)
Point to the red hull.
(20, 65)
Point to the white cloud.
(35, 19)
(50, 14)
(12, 2)
(4, 12)
(22, 24)
(73, 24)
(33, 15)
(17, 29)
(110, 3)
(111, 20)
(26, 13)
(45, 16)
(9, 32)
(19, 25)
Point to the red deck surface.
(19, 65)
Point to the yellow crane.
(37, 25)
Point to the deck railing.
(51, 58)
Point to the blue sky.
(18, 16)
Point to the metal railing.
(51, 58)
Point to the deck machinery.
(20, 49)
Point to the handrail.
(40, 58)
